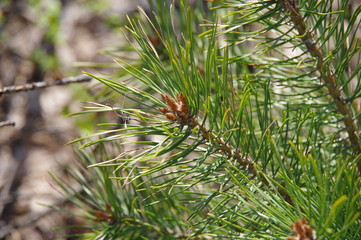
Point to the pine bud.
(171, 117)
(163, 110)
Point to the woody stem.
(245, 162)
(327, 76)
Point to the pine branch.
(178, 111)
(35, 85)
(328, 77)
(208, 197)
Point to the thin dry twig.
(7, 123)
(36, 85)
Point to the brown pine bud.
(164, 97)
(163, 110)
(103, 216)
(171, 117)
(183, 104)
(172, 103)
(302, 230)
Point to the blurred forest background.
(47, 40)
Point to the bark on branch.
(328, 77)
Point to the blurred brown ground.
(37, 144)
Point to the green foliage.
(267, 140)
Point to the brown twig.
(36, 85)
(327, 76)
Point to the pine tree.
(241, 122)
